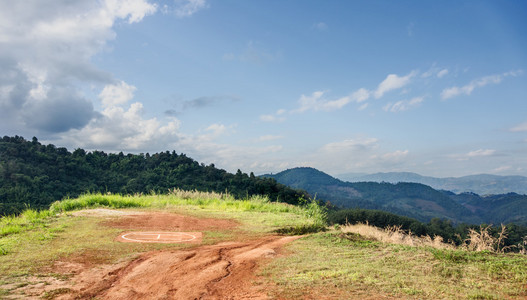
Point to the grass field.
(334, 264)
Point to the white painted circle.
(158, 237)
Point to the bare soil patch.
(169, 222)
(221, 271)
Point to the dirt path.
(222, 271)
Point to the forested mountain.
(482, 184)
(408, 199)
(37, 175)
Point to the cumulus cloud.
(477, 83)
(120, 129)
(46, 51)
(393, 82)
(403, 105)
(117, 94)
(216, 129)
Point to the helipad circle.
(158, 237)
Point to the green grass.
(36, 239)
(326, 265)
(348, 265)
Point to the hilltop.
(73, 251)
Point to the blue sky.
(438, 88)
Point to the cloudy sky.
(433, 87)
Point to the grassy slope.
(330, 265)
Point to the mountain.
(408, 199)
(35, 175)
(495, 209)
(483, 184)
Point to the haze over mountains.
(414, 200)
(483, 184)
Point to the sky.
(433, 87)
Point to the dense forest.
(35, 175)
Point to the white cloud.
(216, 129)
(351, 145)
(360, 95)
(481, 152)
(317, 102)
(276, 117)
(363, 106)
(403, 105)
(269, 137)
(118, 129)
(396, 155)
(47, 48)
(186, 8)
(477, 83)
(117, 94)
(519, 127)
(393, 82)
(442, 73)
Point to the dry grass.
(395, 235)
(483, 240)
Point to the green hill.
(407, 199)
(35, 175)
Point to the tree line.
(450, 232)
(35, 175)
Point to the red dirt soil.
(169, 222)
(221, 271)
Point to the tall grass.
(395, 235)
(27, 220)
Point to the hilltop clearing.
(71, 252)
(204, 272)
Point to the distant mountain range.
(483, 184)
(413, 200)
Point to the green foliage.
(38, 175)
